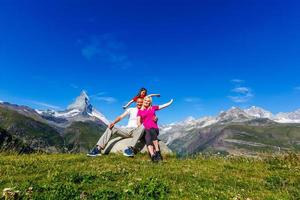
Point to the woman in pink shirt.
(146, 116)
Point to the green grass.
(69, 176)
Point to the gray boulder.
(118, 144)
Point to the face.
(139, 103)
(147, 102)
(143, 93)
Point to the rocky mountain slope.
(80, 110)
(235, 131)
(75, 129)
(30, 132)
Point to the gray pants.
(135, 133)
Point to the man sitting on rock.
(132, 130)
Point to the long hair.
(142, 89)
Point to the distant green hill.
(35, 134)
(9, 143)
(82, 136)
(39, 136)
(240, 138)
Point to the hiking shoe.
(158, 156)
(153, 158)
(128, 152)
(94, 152)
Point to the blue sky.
(207, 55)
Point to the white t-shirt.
(132, 121)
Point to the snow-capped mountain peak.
(174, 131)
(289, 117)
(189, 120)
(80, 110)
(258, 112)
(233, 114)
(81, 102)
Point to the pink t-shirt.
(147, 117)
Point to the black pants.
(151, 135)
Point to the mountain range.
(77, 128)
(235, 131)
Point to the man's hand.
(155, 118)
(111, 125)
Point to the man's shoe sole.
(127, 155)
(93, 155)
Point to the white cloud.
(241, 90)
(74, 86)
(237, 80)
(45, 105)
(108, 100)
(242, 98)
(100, 97)
(99, 94)
(297, 88)
(192, 99)
(241, 94)
(107, 49)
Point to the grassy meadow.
(75, 176)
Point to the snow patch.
(100, 116)
(259, 112)
(80, 107)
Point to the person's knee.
(154, 137)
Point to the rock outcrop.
(118, 144)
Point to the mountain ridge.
(79, 110)
(235, 130)
(77, 128)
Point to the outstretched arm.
(119, 118)
(153, 95)
(128, 104)
(165, 105)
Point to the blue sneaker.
(94, 152)
(128, 152)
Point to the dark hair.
(142, 89)
(139, 98)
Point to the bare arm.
(139, 121)
(153, 95)
(128, 104)
(119, 118)
(166, 105)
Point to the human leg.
(155, 133)
(104, 139)
(149, 143)
(136, 135)
(158, 156)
